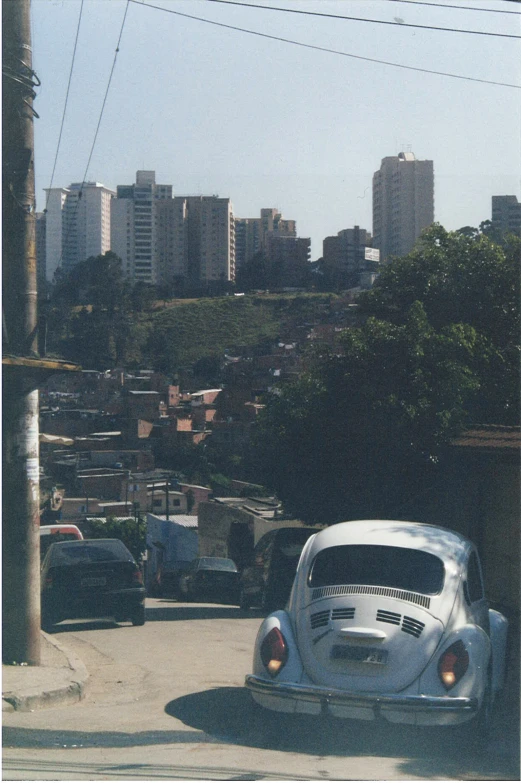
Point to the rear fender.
(498, 638)
(293, 669)
(475, 680)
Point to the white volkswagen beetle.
(385, 618)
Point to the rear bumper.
(378, 703)
(93, 604)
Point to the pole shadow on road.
(173, 612)
(230, 715)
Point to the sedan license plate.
(94, 581)
(358, 654)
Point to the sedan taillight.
(453, 664)
(137, 577)
(274, 652)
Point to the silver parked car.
(385, 618)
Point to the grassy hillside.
(184, 333)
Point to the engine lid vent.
(347, 613)
(319, 619)
(388, 592)
(414, 627)
(388, 617)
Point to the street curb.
(37, 698)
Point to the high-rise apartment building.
(77, 224)
(247, 239)
(344, 256)
(211, 239)
(506, 214)
(289, 257)
(134, 226)
(251, 234)
(161, 238)
(403, 203)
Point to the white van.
(50, 534)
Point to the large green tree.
(366, 428)
(362, 430)
(463, 278)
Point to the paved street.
(166, 701)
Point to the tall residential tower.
(403, 203)
(77, 224)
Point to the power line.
(65, 104)
(362, 19)
(106, 92)
(457, 7)
(80, 192)
(323, 48)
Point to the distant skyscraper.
(77, 224)
(211, 239)
(345, 257)
(506, 214)
(161, 238)
(134, 226)
(403, 203)
(252, 234)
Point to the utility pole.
(21, 496)
(23, 369)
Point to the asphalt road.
(166, 701)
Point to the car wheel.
(138, 615)
(244, 601)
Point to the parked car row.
(265, 582)
(367, 619)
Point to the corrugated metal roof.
(184, 520)
(490, 437)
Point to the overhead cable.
(80, 192)
(363, 19)
(106, 92)
(456, 7)
(323, 48)
(65, 104)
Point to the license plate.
(358, 654)
(94, 581)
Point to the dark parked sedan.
(211, 579)
(91, 578)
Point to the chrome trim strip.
(385, 701)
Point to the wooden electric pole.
(20, 497)
(23, 370)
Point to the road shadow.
(175, 612)
(229, 715)
(77, 626)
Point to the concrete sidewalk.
(60, 679)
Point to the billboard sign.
(372, 254)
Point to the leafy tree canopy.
(361, 430)
(131, 531)
(366, 427)
(459, 279)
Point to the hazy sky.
(270, 124)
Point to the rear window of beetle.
(384, 566)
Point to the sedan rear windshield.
(385, 566)
(102, 551)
